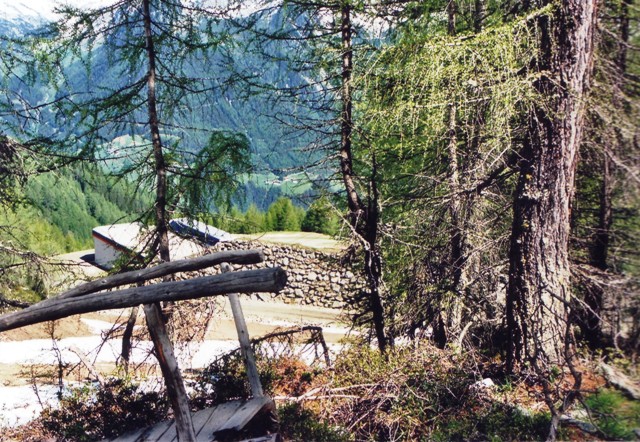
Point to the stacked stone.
(314, 277)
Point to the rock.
(584, 426)
(620, 381)
(485, 383)
(312, 276)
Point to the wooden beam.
(171, 373)
(166, 268)
(243, 337)
(262, 280)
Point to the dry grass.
(310, 240)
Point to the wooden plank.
(166, 268)
(131, 436)
(200, 419)
(172, 434)
(243, 337)
(219, 417)
(245, 413)
(171, 373)
(268, 438)
(153, 434)
(262, 280)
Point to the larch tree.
(133, 70)
(319, 41)
(539, 291)
(441, 103)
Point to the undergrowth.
(422, 394)
(90, 413)
(614, 415)
(413, 394)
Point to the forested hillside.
(76, 201)
(480, 155)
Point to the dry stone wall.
(314, 277)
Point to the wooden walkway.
(226, 421)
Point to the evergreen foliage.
(283, 216)
(321, 217)
(78, 200)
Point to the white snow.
(19, 405)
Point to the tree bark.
(479, 12)
(539, 285)
(363, 219)
(155, 321)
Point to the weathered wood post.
(170, 372)
(243, 337)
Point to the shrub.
(422, 393)
(321, 218)
(93, 412)
(225, 379)
(614, 415)
(300, 424)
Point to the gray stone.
(584, 426)
(620, 381)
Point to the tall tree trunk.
(451, 14)
(452, 323)
(602, 236)
(539, 276)
(364, 220)
(599, 253)
(153, 313)
(479, 12)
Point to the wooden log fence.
(91, 297)
(164, 269)
(262, 280)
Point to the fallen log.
(166, 268)
(262, 280)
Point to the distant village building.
(117, 241)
